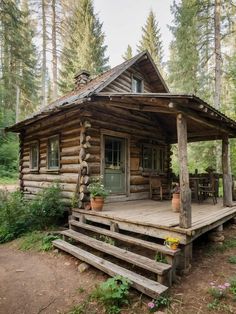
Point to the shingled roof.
(80, 95)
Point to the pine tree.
(128, 53)
(151, 39)
(18, 61)
(83, 46)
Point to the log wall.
(67, 126)
(140, 127)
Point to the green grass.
(37, 241)
(227, 244)
(232, 259)
(9, 180)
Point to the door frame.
(126, 138)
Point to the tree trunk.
(227, 176)
(44, 56)
(54, 51)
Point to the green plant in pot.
(98, 193)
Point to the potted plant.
(172, 243)
(176, 198)
(98, 193)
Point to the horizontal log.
(138, 180)
(63, 178)
(139, 188)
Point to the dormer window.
(137, 85)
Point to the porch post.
(185, 218)
(227, 176)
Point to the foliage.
(105, 239)
(96, 188)
(158, 303)
(8, 158)
(159, 257)
(128, 53)
(232, 259)
(233, 285)
(37, 240)
(13, 216)
(113, 293)
(218, 291)
(84, 45)
(18, 216)
(47, 208)
(151, 39)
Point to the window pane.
(34, 156)
(137, 85)
(53, 153)
(147, 157)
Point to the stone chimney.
(81, 78)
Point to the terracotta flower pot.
(97, 203)
(176, 202)
(172, 245)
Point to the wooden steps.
(162, 270)
(125, 238)
(143, 284)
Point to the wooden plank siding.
(123, 83)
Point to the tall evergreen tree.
(151, 39)
(83, 46)
(18, 61)
(128, 53)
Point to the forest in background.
(44, 43)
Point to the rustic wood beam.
(185, 192)
(227, 176)
(198, 118)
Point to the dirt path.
(34, 283)
(48, 283)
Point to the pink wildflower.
(212, 283)
(151, 305)
(227, 284)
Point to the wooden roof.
(94, 86)
(204, 121)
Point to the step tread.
(145, 285)
(133, 258)
(152, 246)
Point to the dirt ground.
(33, 283)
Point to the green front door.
(114, 165)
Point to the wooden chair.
(209, 190)
(156, 187)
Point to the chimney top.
(81, 78)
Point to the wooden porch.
(156, 218)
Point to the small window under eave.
(137, 84)
(34, 156)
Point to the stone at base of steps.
(145, 285)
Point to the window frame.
(36, 169)
(137, 77)
(160, 155)
(54, 169)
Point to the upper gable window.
(137, 85)
(34, 156)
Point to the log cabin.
(121, 125)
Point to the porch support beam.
(185, 192)
(227, 176)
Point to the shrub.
(18, 216)
(113, 293)
(13, 216)
(47, 208)
(37, 240)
